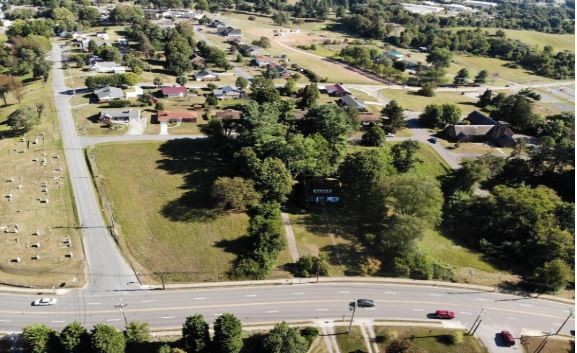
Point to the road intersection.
(111, 281)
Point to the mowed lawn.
(160, 195)
(430, 340)
(553, 345)
(410, 100)
(559, 42)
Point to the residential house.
(107, 94)
(122, 42)
(206, 75)
(174, 91)
(322, 190)
(173, 116)
(480, 4)
(350, 101)
(228, 92)
(263, 61)
(134, 92)
(282, 72)
(108, 66)
(369, 119)
(229, 32)
(103, 36)
(119, 116)
(246, 50)
(459, 8)
(94, 59)
(216, 23)
(228, 114)
(197, 61)
(478, 118)
(499, 134)
(336, 90)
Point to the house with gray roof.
(107, 94)
(499, 134)
(228, 92)
(119, 115)
(350, 101)
(206, 75)
(478, 118)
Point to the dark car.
(363, 303)
(445, 314)
(432, 140)
(508, 338)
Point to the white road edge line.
(147, 301)
(271, 311)
(57, 321)
(109, 320)
(321, 309)
(167, 317)
(250, 295)
(94, 303)
(200, 298)
(299, 293)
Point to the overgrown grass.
(553, 345)
(22, 161)
(430, 340)
(176, 230)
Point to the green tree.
(309, 96)
(290, 87)
(124, 14)
(427, 89)
(439, 57)
(517, 110)
(273, 180)
(130, 79)
(264, 90)
(395, 116)
(310, 266)
(241, 82)
(481, 77)
(157, 82)
(136, 332)
(24, 119)
(404, 155)
(485, 98)
(227, 334)
(451, 114)
(331, 122)
(38, 339)
(461, 77)
(432, 117)
(281, 18)
(553, 276)
(284, 339)
(74, 338)
(106, 339)
(182, 80)
(374, 136)
(412, 196)
(398, 236)
(195, 336)
(211, 100)
(201, 5)
(41, 69)
(235, 193)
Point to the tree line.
(227, 338)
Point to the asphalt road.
(106, 267)
(265, 304)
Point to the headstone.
(36, 245)
(36, 232)
(16, 259)
(69, 255)
(10, 180)
(36, 257)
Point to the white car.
(44, 302)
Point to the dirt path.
(290, 237)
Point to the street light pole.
(121, 307)
(353, 308)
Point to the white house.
(108, 66)
(103, 35)
(134, 92)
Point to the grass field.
(350, 342)
(559, 42)
(318, 346)
(29, 163)
(87, 123)
(176, 230)
(430, 340)
(414, 102)
(552, 346)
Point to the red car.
(445, 314)
(508, 338)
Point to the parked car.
(508, 338)
(363, 303)
(44, 302)
(445, 314)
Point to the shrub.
(369, 266)
(443, 272)
(310, 333)
(119, 103)
(457, 337)
(251, 18)
(308, 266)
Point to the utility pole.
(475, 330)
(353, 308)
(477, 321)
(564, 322)
(121, 307)
(162, 279)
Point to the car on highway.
(363, 303)
(44, 302)
(445, 314)
(432, 140)
(508, 338)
